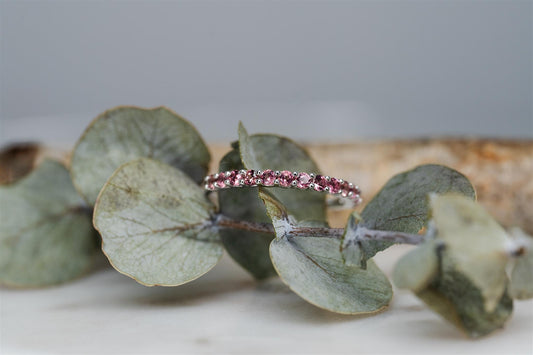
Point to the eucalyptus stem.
(228, 223)
(361, 234)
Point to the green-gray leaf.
(46, 235)
(477, 243)
(459, 301)
(402, 204)
(249, 249)
(156, 224)
(126, 133)
(460, 270)
(265, 151)
(418, 268)
(522, 274)
(313, 267)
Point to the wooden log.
(19, 159)
(501, 170)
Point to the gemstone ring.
(287, 179)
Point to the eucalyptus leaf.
(313, 267)
(416, 270)
(459, 301)
(46, 235)
(476, 241)
(250, 249)
(402, 205)
(266, 151)
(461, 271)
(156, 224)
(522, 274)
(126, 133)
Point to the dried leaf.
(156, 224)
(46, 235)
(17, 161)
(126, 133)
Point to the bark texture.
(501, 170)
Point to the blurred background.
(312, 70)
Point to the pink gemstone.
(320, 183)
(210, 183)
(345, 189)
(220, 180)
(303, 180)
(334, 186)
(286, 178)
(354, 192)
(349, 191)
(355, 197)
(249, 178)
(268, 177)
(235, 178)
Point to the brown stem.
(227, 223)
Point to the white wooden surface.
(225, 311)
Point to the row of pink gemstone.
(238, 178)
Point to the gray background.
(308, 69)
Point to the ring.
(287, 179)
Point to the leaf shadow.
(209, 287)
(432, 329)
(288, 306)
(225, 281)
(188, 294)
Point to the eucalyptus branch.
(361, 234)
(365, 234)
(224, 222)
(228, 223)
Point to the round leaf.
(477, 243)
(249, 249)
(46, 235)
(123, 134)
(522, 278)
(156, 224)
(416, 269)
(402, 204)
(313, 267)
(522, 274)
(460, 271)
(265, 151)
(453, 295)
